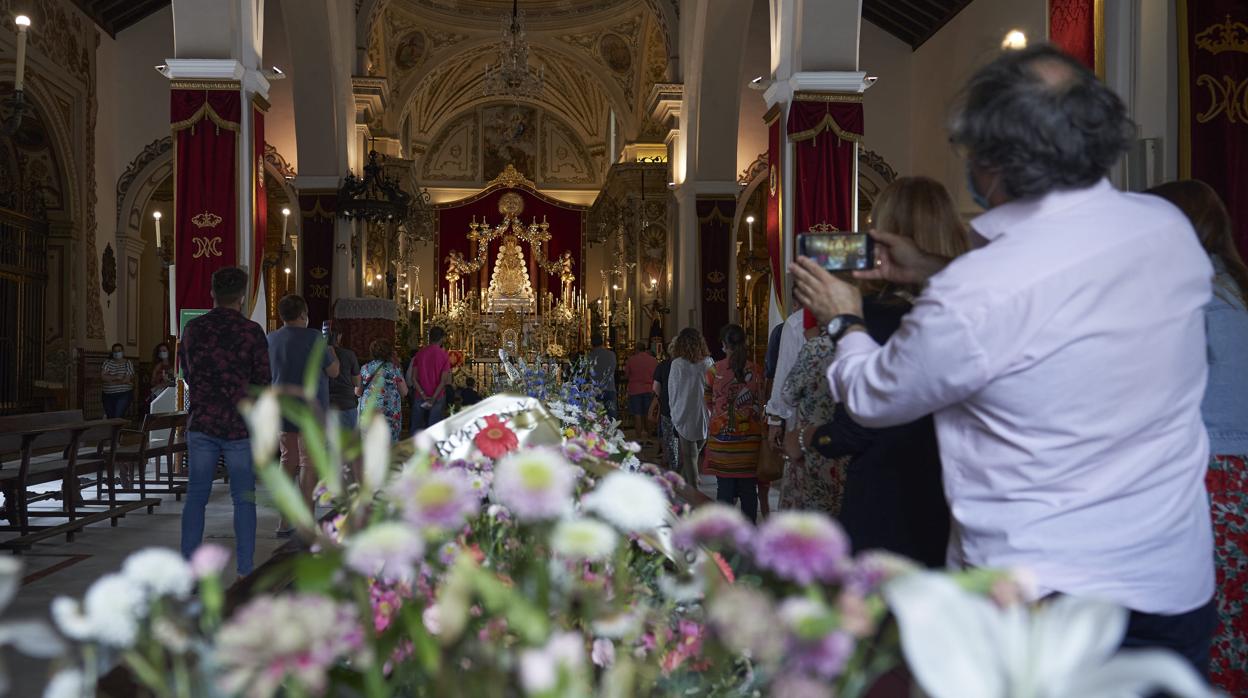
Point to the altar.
(513, 284)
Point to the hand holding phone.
(838, 251)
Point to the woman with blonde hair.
(687, 398)
(885, 484)
(1225, 413)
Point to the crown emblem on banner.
(824, 227)
(206, 220)
(318, 272)
(1228, 36)
(716, 277)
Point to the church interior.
(526, 175)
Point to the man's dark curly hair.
(1043, 121)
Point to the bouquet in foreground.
(506, 553)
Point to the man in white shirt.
(1064, 359)
(780, 412)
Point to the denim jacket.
(1225, 406)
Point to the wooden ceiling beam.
(955, 6)
(137, 12)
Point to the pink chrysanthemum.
(535, 484)
(713, 525)
(442, 499)
(801, 547)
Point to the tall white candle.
(19, 80)
(749, 220)
(285, 223)
(156, 217)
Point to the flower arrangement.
(532, 564)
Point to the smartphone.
(838, 251)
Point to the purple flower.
(871, 569)
(801, 547)
(442, 499)
(713, 524)
(535, 484)
(799, 687)
(825, 658)
(388, 551)
(208, 560)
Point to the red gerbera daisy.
(495, 439)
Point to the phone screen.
(837, 251)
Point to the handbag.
(770, 462)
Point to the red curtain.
(1213, 102)
(775, 204)
(259, 199)
(567, 227)
(715, 242)
(317, 241)
(205, 129)
(1073, 29)
(823, 135)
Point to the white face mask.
(116, 355)
(163, 354)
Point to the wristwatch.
(840, 324)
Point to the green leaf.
(424, 646)
(313, 371)
(315, 573)
(286, 496)
(526, 619)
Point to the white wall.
(751, 132)
(942, 65)
(887, 104)
(279, 124)
(142, 93)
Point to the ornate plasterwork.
(149, 154)
(455, 154)
(564, 159)
(274, 159)
(616, 49)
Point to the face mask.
(981, 200)
(116, 355)
(163, 354)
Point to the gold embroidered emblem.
(716, 277)
(824, 227)
(206, 247)
(773, 180)
(318, 273)
(206, 220)
(1227, 36)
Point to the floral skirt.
(814, 484)
(1227, 481)
(668, 444)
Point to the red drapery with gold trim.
(205, 127)
(715, 238)
(1213, 102)
(259, 199)
(1074, 27)
(823, 135)
(775, 204)
(316, 238)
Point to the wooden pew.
(150, 447)
(38, 449)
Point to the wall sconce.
(749, 221)
(156, 215)
(17, 101)
(1014, 40)
(285, 223)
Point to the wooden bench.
(152, 447)
(43, 448)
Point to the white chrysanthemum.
(264, 419)
(160, 571)
(114, 605)
(534, 484)
(376, 454)
(583, 539)
(66, 683)
(388, 551)
(634, 503)
(70, 619)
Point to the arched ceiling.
(598, 56)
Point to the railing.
(23, 280)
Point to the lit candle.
(23, 23)
(285, 223)
(749, 220)
(156, 217)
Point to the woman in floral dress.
(381, 381)
(1225, 412)
(735, 432)
(811, 481)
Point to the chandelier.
(512, 76)
(374, 197)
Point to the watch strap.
(843, 323)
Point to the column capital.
(214, 69)
(846, 82)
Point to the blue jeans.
(203, 451)
(116, 404)
(423, 417)
(349, 419)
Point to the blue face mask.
(981, 200)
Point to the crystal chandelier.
(511, 76)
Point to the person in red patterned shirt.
(223, 357)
